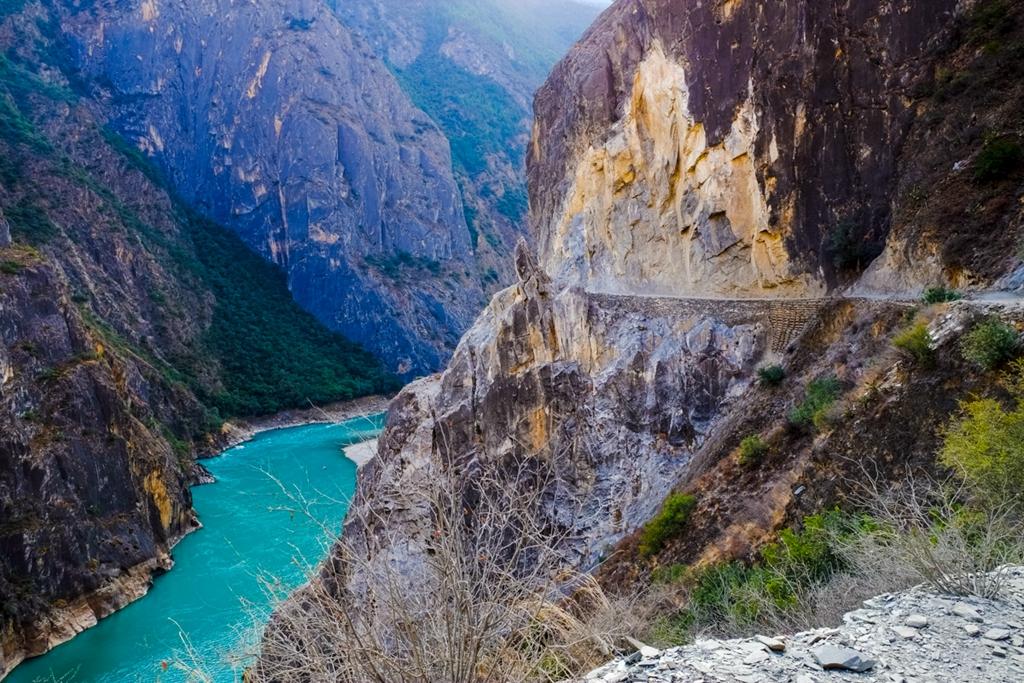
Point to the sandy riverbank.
(361, 453)
(239, 431)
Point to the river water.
(215, 599)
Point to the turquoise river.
(216, 598)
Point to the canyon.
(372, 151)
(714, 189)
(191, 194)
(717, 187)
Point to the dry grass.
(478, 592)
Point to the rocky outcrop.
(613, 394)
(915, 635)
(726, 148)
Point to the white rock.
(996, 634)
(905, 632)
(917, 621)
(965, 611)
(648, 652)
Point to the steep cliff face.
(706, 179)
(727, 148)
(129, 329)
(274, 119)
(279, 120)
(473, 66)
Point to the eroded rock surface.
(613, 393)
(715, 148)
(276, 120)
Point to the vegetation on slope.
(260, 352)
(477, 115)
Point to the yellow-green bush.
(752, 450)
(916, 342)
(986, 443)
(670, 522)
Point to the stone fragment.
(996, 634)
(756, 657)
(803, 678)
(773, 644)
(965, 611)
(832, 657)
(905, 632)
(917, 621)
(972, 630)
(648, 652)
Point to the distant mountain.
(473, 66)
(387, 183)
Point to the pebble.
(773, 644)
(831, 657)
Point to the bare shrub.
(480, 594)
(942, 534)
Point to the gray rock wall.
(274, 119)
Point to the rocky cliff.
(334, 161)
(130, 328)
(707, 180)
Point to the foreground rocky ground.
(912, 637)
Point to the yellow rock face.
(155, 487)
(658, 210)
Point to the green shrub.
(395, 266)
(10, 267)
(668, 524)
(916, 342)
(752, 450)
(985, 444)
(990, 20)
(737, 594)
(29, 223)
(941, 294)
(820, 396)
(990, 343)
(477, 115)
(771, 376)
(999, 158)
(514, 204)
